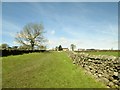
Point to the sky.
(85, 24)
(60, 0)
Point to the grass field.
(104, 53)
(45, 70)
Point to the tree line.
(5, 46)
(59, 48)
(31, 38)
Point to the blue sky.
(60, 0)
(87, 25)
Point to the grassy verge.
(45, 70)
(104, 53)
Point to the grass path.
(44, 70)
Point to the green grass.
(0, 73)
(45, 70)
(104, 53)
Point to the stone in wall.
(106, 68)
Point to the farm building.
(81, 49)
(65, 49)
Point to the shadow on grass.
(5, 53)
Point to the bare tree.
(73, 47)
(23, 47)
(31, 35)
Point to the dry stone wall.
(104, 68)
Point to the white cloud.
(107, 29)
(15, 43)
(65, 42)
(106, 39)
(10, 28)
(9, 31)
(52, 32)
(76, 34)
(83, 43)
